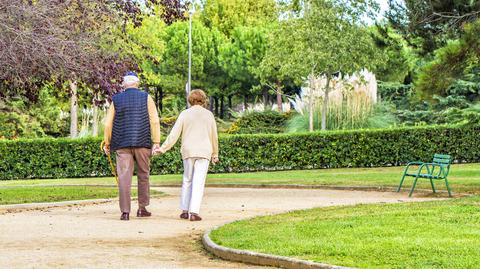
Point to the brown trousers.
(126, 159)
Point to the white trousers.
(194, 175)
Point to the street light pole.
(189, 83)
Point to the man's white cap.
(130, 77)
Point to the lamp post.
(189, 83)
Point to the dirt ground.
(92, 236)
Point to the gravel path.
(91, 236)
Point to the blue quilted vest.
(131, 125)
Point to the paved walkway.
(91, 236)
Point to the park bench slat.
(441, 161)
(441, 156)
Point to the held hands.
(106, 149)
(156, 150)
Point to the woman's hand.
(215, 160)
(106, 149)
(156, 149)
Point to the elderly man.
(198, 130)
(131, 126)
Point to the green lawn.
(463, 178)
(19, 195)
(439, 234)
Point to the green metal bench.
(436, 170)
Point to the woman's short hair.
(197, 97)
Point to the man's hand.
(215, 160)
(106, 149)
(156, 149)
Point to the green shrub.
(15, 125)
(256, 122)
(396, 93)
(59, 158)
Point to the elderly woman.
(198, 129)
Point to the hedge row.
(58, 158)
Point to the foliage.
(457, 60)
(427, 114)
(399, 58)
(396, 93)
(60, 41)
(145, 43)
(226, 15)
(205, 67)
(429, 24)
(256, 122)
(381, 116)
(14, 125)
(243, 55)
(367, 236)
(57, 158)
(322, 39)
(133, 11)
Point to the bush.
(14, 125)
(396, 93)
(256, 122)
(57, 158)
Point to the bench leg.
(401, 182)
(448, 187)
(433, 186)
(413, 187)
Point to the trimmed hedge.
(59, 158)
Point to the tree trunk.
(245, 102)
(161, 99)
(279, 97)
(95, 119)
(211, 103)
(311, 104)
(216, 106)
(230, 106)
(265, 97)
(325, 104)
(155, 98)
(73, 110)
(222, 107)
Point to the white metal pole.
(189, 85)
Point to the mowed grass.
(439, 234)
(20, 195)
(463, 178)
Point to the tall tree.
(241, 57)
(323, 37)
(458, 60)
(174, 64)
(57, 40)
(226, 15)
(400, 59)
(428, 24)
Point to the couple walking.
(132, 131)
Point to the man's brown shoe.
(141, 213)
(195, 217)
(184, 215)
(125, 216)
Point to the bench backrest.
(444, 160)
